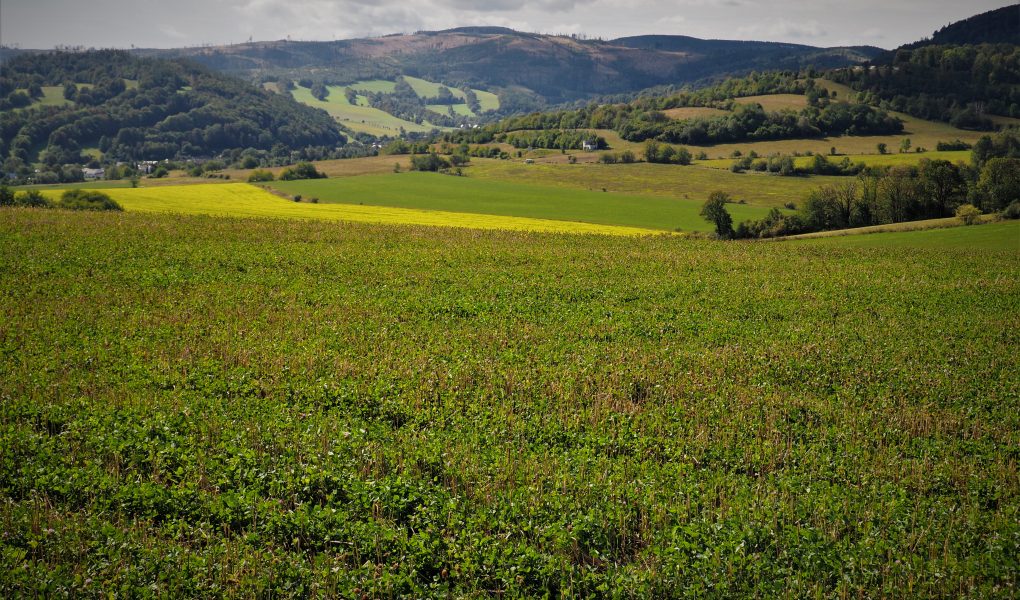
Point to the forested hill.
(967, 73)
(58, 104)
(1000, 26)
(518, 65)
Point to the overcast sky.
(175, 23)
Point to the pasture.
(935, 233)
(892, 159)
(358, 118)
(199, 406)
(432, 191)
(691, 183)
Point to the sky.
(177, 23)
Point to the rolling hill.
(527, 69)
(59, 104)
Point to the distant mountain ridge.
(545, 67)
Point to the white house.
(94, 173)
(588, 146)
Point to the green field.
(872, 160)
(470, 195)
(374, 86)
(358, 118)
(644, 179)
(460, 109)
(195, 406)
(776, 102)
(985, 237)
(244, 200)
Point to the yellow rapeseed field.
(244, 200)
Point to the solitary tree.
(714, 211)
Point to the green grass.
(469, 195)
(487, 100)
(460, 109)
(374, 86)
(776, 102)
(358, 118)
(872, 160)
(989, 236)
(204, 407)
(688, 183)
(429, 89)
(53, 95)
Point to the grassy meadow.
(644, 179)
(893, 159)
(432, 191)
(358, 118)
(361, 117)
(935, 233)
(199, 406)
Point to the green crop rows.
(198, 406)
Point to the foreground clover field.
(197, 406)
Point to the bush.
(32, 198)
(430, 162)
(953, 145)
(1012, 211)
(87, 200)
(260, 175)
(968, 213)
(608, 158)
(303, 170)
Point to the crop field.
(244, 200)
(872, 160)
(509, 198)
(196, 406)
(643, 179)
(359, 118)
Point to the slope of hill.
(1000, 26)
(967, 73)
(520, 65)
(131, 108)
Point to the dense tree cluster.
(554, 139)
(170, 109)
(932, 189)
(961, 85)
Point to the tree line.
(930, 190)
(645, 119)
